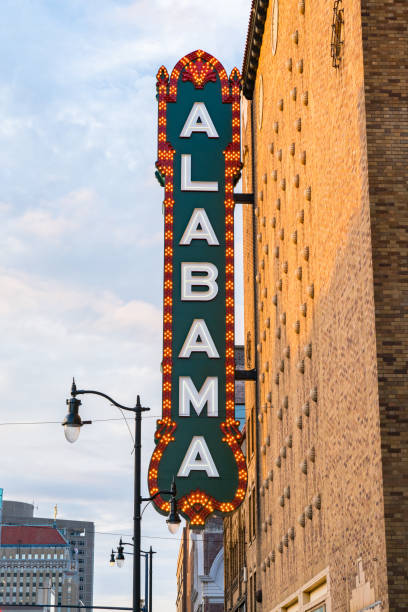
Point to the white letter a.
(199, 112)
(199, 340)
(198, 457)
(199, 228)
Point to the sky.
(81, 251)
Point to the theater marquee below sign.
(197, 438)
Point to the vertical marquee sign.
(197, 438)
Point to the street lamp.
(173, 522)
(112, 559)
(120, 557)
(72, 426)
(73, 422)
(148, 556)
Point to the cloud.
(49, 331)
(81, 251)
(4, 208)
(42, 224)
(33, 304)
(148, 27)
(135, 314)
(51, 220)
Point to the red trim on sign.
(200, 68)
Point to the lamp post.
(72, 426)
(148, 555)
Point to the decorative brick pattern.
(385, 44)
(328, 245)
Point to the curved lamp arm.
(137, 408)
(149, 499)
(142, 552)
(172, 492)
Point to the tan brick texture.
(325, 254)
(385, 44)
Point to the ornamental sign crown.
(198, 438)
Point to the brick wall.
(235, 586)
(323, 214)
(385, 44)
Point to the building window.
(253, 513)
(249, 438)
(292, 607)
(274, 26)
(252, 433)
(248, 338)
(337, 39)
(312, 597)
(250, 516)
(239, 415)
(260, 102)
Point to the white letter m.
(208, 394)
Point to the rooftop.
(25, 535)
(253, 45)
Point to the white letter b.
(188, 281)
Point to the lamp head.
(174, 520)
(112, 559)
(73, 422)
(120, 557)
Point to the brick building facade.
(325, 151)
(200, 569)
(182, 574)
(235, 570)
(235, 591)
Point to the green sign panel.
(198, 437)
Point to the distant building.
(78, 534)
(200, 569)
(236, 588)
(240, 387)
(183, 593)
(235, 570)
(206, 567)
(235, 566)
(33, 558)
